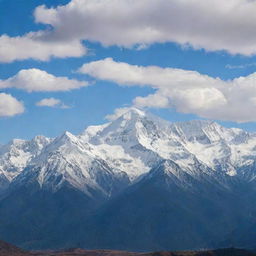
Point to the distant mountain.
(11, 250)
(15, 156)
(136, 183)
(218, 252)
(7, 249)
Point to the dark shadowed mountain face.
(138, 183)
(160, 213)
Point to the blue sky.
(89, 105)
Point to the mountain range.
(7, 249)
(137, 183)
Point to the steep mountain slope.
(16, 155)
(67, 160)
(136, 183)
(130, 146)
(218, 147)
(59, 186)
(136, 141)
(169, 209)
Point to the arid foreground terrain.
(7, 249)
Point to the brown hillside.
(7, 249)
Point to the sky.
(65, 65)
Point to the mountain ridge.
(138, 136)
(136, 183)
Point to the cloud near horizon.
(52, 103)
(10, 106)
(36, 80)
(186, 91)
(196, 23)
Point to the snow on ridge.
(131, 144)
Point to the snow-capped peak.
(132, 144)
(66, 137)
(17, 154)
(133, 113)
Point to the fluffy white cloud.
(220, 25)
(10, 106)
(48, 102)
(153, 100)
(187, 91)
(39, 46)
(39, 80)
(130, 75)
(51, 102)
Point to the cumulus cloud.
(39, 80)
(51, 102)
(187, 91)
(221, 25)
(37, 46)
(153, 100)
(10, 106)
